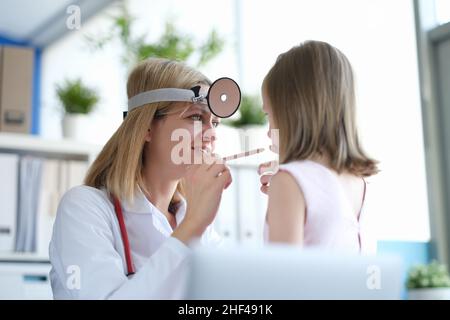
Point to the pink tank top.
(330, 220)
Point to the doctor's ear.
(148, 135)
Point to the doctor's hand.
(266, 170)
(203, 184)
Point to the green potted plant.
(250, 122)
(429, 282)
(78, 101)
(172, 44)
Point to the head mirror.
(223, 98)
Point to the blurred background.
(63, 71)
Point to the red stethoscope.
(124, 234)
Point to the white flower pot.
(429, 294)
(75, 125)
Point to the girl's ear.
(148, 136)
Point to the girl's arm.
(286, 210)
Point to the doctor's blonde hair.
(119, 165)
(312, 93)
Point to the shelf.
(23, 257)
(63, 149)
(29, 144)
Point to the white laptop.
(280, 272)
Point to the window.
(442, 11)
(378, 37)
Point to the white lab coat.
(87, 253)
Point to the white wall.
(377, 36)
(69, 58)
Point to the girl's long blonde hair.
(312, 93)
(119, 166)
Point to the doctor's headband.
(223, 97)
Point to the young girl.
(316, 197)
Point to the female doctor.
(124, 234)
